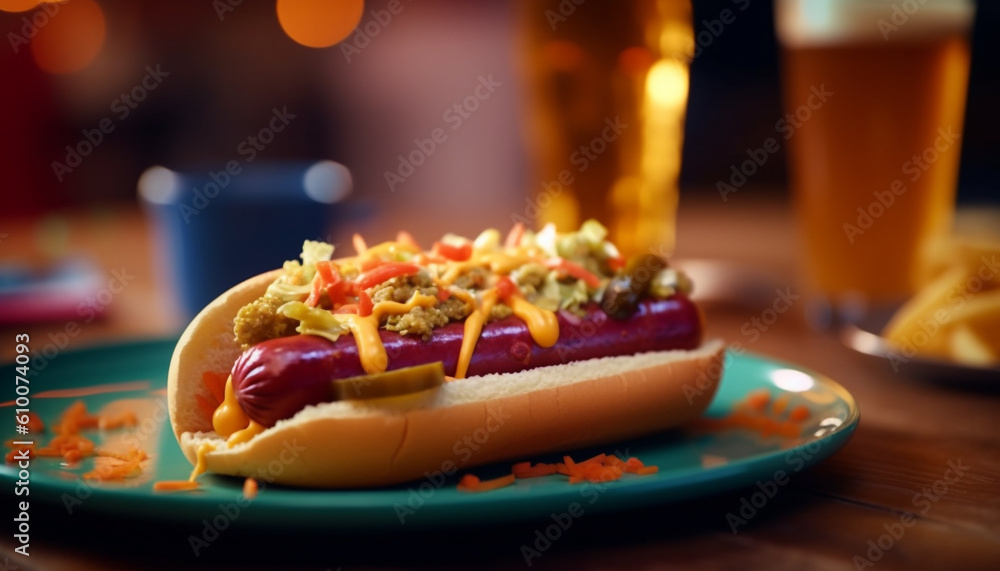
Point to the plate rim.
(866, 342)
(171, 507)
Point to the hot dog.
(548, 337)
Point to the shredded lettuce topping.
(552, 270)
(314, 320)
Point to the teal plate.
(693, 462)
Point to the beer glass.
(608, 84)
(874, 168)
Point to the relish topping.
(398, 286)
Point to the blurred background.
(95, 92)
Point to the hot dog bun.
(474, 421)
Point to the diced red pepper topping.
(383, 273)
(455, 253)
(575, 270)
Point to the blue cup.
(217, 227)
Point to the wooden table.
(924, 451)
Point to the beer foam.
(804, 23)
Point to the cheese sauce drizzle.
(231, 422)
(473, 328)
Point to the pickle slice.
(390, 383)
(624, 292)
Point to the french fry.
(919, 321)
(957, 315)
(969, 348)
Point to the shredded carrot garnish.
(526, 470)
(633, 465)
(780, 405)
(600, 468)
(574, 270)
(371, 264)
(123, 456)
(35, 423)
(250, 488)
(174, 486)
(599, 459)
(758, 400)
(385, 271)
(359, 244)
(111, 468)
(73, 447)
(74, 419)
(126, 418)
(616, 461)
(799, 413)
(404, 238)
(754, 415)
(470, 483)
(763, 425)
(514, 237)
(10, 457)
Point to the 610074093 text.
(21, 445)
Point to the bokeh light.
(635, 61)
(667, 84)
(319, 23)
(70, 38)
(17, 5)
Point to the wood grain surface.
(917, 487)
